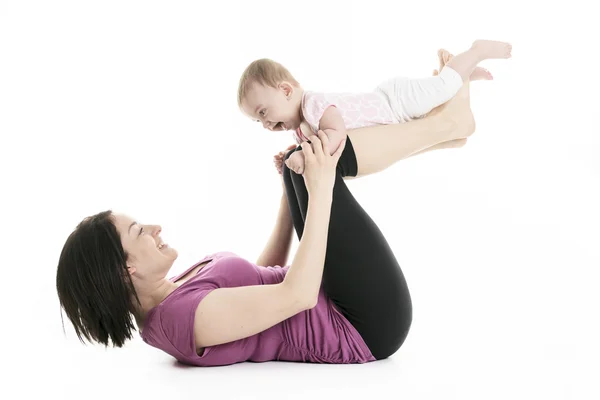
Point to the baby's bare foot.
(444, 56)
(492, 49)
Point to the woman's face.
(147, 254)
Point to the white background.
(131, 105)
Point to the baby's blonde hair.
(265, 72)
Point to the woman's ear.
(131, 269)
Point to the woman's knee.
(348, 163)
(392, 338)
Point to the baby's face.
(278, 109)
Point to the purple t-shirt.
(321, 334)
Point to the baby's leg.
(413, 98)
(466, 62)
(379, 147)
(478, 74)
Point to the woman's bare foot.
(478, 74)
(481, 74)
(457, 111)
(451, 144)
(488, 49)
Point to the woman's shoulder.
(169, 326)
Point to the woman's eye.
(262, 113)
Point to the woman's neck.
(152, 293)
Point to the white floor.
(451, 354)
(131, 106)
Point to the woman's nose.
(156, 229)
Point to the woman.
(343, 299)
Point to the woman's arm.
(277, 249)
(228, 314)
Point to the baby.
(268, 93)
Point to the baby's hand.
(296, 162)
(278, 161)
(278, 158)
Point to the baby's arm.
(334, 127)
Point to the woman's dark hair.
(94, 288)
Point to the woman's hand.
(319, 166)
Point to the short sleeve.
(177, 323)
(170, 325)
(313, 106)
(299, 136)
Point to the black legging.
(361, 274)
